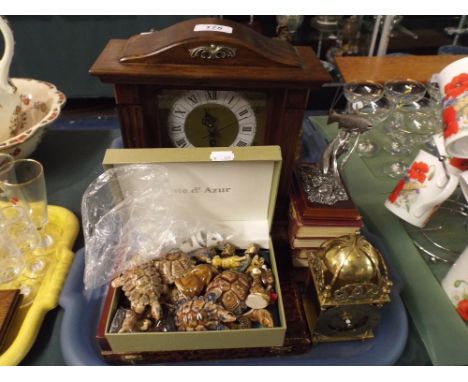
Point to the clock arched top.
(209, 41)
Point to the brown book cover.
(307, 243)
(9, 302)
(342, 209)
(300, 228)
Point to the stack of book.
(312, 224)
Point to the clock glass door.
(211, 118)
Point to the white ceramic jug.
(10, 104)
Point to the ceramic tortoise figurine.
(200, 313)
(143, 287)
(231, 289)
(195, 280)
(173, 265)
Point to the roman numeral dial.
(211, 118)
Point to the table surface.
(383, 68)
(81, 151)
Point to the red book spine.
(330, 222)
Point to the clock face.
(212, 118)
(348, 320)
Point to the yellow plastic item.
(63, 226)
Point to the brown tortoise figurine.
(231, 289)
(200, 313)
(193, 282)
(143, 288)
(137, 323)
(173, 265)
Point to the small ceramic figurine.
(202, 240)
(228, 250)
(241, 323)
(201, 314)
(230, 288)
(173, 265)
(195, 280)
(268, 279)
(205, 254)
(262, 316)
(143, 325)
(252, 249)
(129, 322)
(143, 287)
(238, 262)
(258, 297)
(214, 239)
(257, 262)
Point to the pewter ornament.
(320, 188)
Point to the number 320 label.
(212, 28)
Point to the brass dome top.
(349, 270)
(351, 259)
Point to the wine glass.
(365, 99)
(15, 223)
(420, 120)
(362, 91)
(24, 184)
(402, 93)
(395, 169)
(433, 90)
(435, 97)
(11, 260)
(375, 112)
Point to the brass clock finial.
(213, 51)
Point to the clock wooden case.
(211, 82)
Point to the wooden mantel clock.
(211, 82)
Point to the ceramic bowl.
(40, 104)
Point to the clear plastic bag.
(130, 217)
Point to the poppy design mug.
(455, 284)
(425, 186)
(453, 82)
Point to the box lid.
(235, 186)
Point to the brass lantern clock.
(211, 83)
(347, 287)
